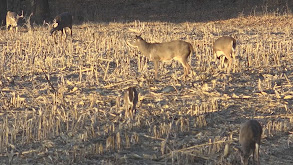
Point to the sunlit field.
(63, 103)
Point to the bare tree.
(41, 10)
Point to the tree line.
(39, 8)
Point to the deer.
(166, 51)
(130, 101)
(224, 49)
(12, 20)
(249, 138)
(60, 23)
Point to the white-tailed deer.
(224, 48)
(12, 20)
(177, 50)
(60, 23)
(249, 138)
(130, 101)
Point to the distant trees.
(144, 10)
(41, 10)
(3, 11)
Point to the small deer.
(249, 138)
(130, 101)
(12, 20)
(62, 21)
(177, 50)
(224, 48)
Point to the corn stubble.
(68, 94)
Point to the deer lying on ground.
(12, 20)
(130, 101)
(223, 49)
(60, 23)
(177, 50)
(249, 138)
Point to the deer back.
(61, 21)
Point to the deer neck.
(145, 48)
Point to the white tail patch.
(219, 54)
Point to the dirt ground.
(63, 103)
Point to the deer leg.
(64, 32)
(186, 67)
(257, 153)
(218, 56)
(222, 61)
(230, 60)
(54, 36)
(253, 157)
(134, 108)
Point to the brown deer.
(130, 101)
(223, 49)
(249, 138)
(177, 50)
(12, 20)
(60, 23)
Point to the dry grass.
(60, 104)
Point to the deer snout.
(51, 32)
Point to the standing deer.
(177, 50)
(223, 49)
(12, 20)
(130, 101)
(62, 21)
(249, 138)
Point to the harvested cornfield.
(63, 103)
